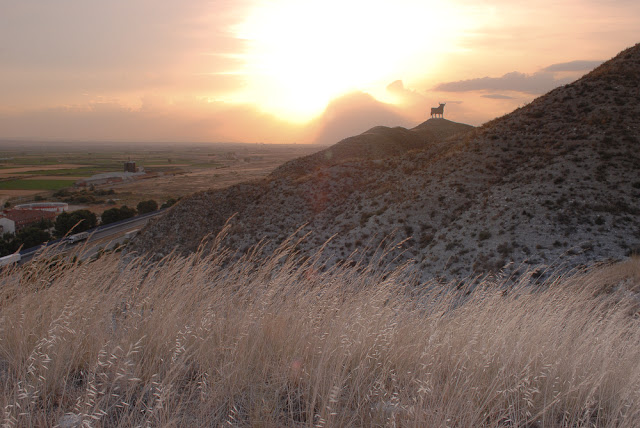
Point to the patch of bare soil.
(39, 168)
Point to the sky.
(287, 71)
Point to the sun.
(301, 54)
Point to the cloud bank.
(192, 119)
(497, 97)
(537, 83)
(579, 65)
(156, 120)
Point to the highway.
(100, 237)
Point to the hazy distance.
(289, 71)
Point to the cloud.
(414, 104)
(353, 114)
(157, 119)
(497, 97)
(537, 83)
(398, 89)
(409, 98)
(579, 65)
(166, 119)
(191, 119)
(54, 53)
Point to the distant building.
(110, 178)
(129, 166)
(12, 221)
(55, 207)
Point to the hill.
(557, 180)
(377, 143)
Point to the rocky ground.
(556, 181)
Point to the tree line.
(71, 222)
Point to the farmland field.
(36, 171)
(51, 184)
(80, 172)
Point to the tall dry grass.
(274, 341)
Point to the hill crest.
(556, 180)
(378, 142)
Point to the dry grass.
(271, 341)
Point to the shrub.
(408, 230)
(169, 203)
(484, 235)
(425, 239)
(147, 206)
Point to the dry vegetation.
(272, 340)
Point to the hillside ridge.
(376, 143)
(555, 181)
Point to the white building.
(110, 178)
(7, 225)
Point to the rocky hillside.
(555, 181)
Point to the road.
(102, 237)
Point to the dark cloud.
(537, 83)
(579, 65)
(353, 114)
(497, 97)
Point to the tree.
(32, 236)
(81, 219)
(25, 238)
(126, 212)
(147, 206)
(43, 224)
(61, 193)
(8, 244)
(169, 203)
(116, 214)
(110, 216)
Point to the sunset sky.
(287, 71)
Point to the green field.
(35, 184)
(80, 172)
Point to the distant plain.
(36, 170)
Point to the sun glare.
(304, 53)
